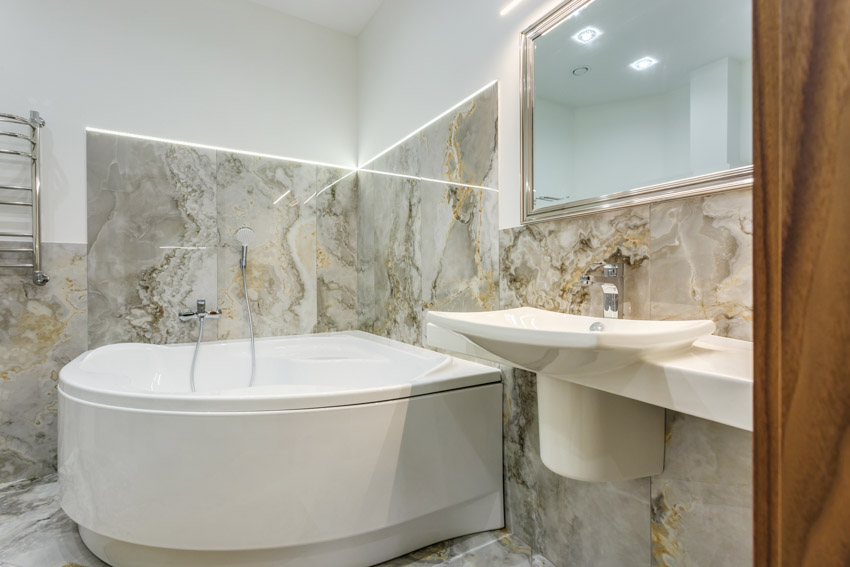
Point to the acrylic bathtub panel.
(702, 261)
(336, 250)
(151, 238)
(43, 328)
(282, 256)
(337, 472)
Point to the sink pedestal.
(588, 434)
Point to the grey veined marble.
(431, 245)
(389, 260)
(277, 199)
(702, 503)
(34, 532)
(702, 261)
(541, 264)
(458, 147)
(152, 238)
(43, 328)
(336, 250)
(573, 523)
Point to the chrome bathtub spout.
(201, 314)
(611, 282)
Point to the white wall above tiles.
(213, 72)
(417, 59)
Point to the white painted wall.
(554, 135)
(610, 147)
(213, 72)
(418, 58)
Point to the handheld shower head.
(244, 235)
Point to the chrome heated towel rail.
(23, 145)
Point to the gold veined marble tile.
(459, 147)
(277, 199)
(569, 521)
(152, 238)
(389, 259)
(702, 261)
(44, 328)
(541, 264)
(336, 252)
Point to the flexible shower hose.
(195, 356)
(250, 326)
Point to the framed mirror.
(629, 102)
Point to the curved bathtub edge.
(358, 551)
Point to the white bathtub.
(349, 451)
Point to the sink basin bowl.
(563, 344)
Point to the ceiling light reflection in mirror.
(669, 98)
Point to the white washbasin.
(603, 384)
(563, 344)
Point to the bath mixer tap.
(611, 282)
(199, 313)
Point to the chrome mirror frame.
(728, 180)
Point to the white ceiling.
(347, 16)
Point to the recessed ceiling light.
(509, 7)
(643, 64)
(579, 71)
(586, 35)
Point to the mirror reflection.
(633, 94)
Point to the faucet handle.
(201, 306)
(612, 270)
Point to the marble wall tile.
(541, 264)
(152, 238)
(281, 269)
(460, 255)
(389, 258)
(572, 523)
(702, 503)
(44, 328)
(687, 258)
(336, 250)
(460, 146)
(702, 261)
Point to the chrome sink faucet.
(611, 282)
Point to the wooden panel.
(802, 283)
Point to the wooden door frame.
(802, 282)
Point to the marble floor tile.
(43, 328)
(34, 532)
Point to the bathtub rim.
(451, 374)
